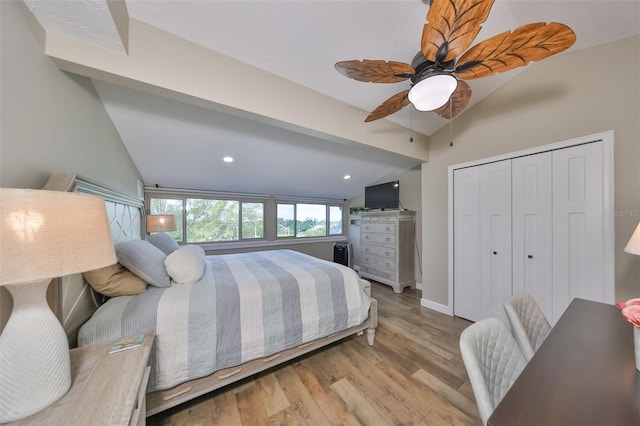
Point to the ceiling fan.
(437, 77)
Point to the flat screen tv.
(385, 196)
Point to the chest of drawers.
(386, 243)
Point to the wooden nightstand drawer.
(138, 418)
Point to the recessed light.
(347, 177)
(228, 159)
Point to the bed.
(246, 313)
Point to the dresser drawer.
(389, 228)
(386, 252)
(381, 218)
(370, 270)
(381, 263)
(377, 237)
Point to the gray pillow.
(145, 260)
(164, 242)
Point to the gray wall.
(563, 97)
(51, 121)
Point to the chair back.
(493, 361)
(528, 323)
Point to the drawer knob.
(495, 252)
(530, 257)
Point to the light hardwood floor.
(413, 374)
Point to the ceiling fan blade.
(509, 50)
(451, 27)
(375, 71)
(457, 102)
(391, 105)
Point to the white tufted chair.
(528, 323)
(493, 361)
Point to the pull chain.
(450, 123)
(411, 124)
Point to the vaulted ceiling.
(292, 123)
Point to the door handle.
(530, 257)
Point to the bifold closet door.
(495, 237)
(466, 243)
(482, 239)
(578, 226)
(532, 228)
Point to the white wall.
(51, 121)
(561, 98)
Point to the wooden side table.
(106, 388)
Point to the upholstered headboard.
(71, 297)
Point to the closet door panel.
(495, 237)
(532, 228)
(466, 235)
(578, 225)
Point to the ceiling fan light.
(432, 92)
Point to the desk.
(583, 374)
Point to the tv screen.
(382, 196)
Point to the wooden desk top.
(583, 374)
(103, 389)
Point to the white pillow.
(186, 265)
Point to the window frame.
(327, 227)
(269, 214)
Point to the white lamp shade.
(633, 246)
(48, 234)
(432, 92)
(161, 223)
(43, 234)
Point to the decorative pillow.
(115, 280)
(164, 242)
(186, 265)
(145, 260)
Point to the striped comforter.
(246, 306)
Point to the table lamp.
(43, 235)
(161, 223)
(633, 246)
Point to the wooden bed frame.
(73, 300)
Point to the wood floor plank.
(366, 412)
(302, 402)
(273, 398)
(413, 374)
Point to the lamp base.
(34, 354)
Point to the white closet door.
(532, 229)
(466, 236)
(578, 226)
(495, 237)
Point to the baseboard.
(443, 309)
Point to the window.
(212, 220)
(286, 220)
(252, 220)
(169, 206)
(335, 220)
(311, 220)
(308, 220)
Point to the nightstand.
(106, 388)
